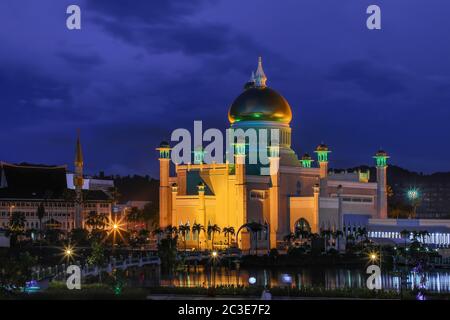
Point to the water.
(332, 278)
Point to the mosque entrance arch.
(302, 225)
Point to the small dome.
(322, 147)
(164, 144)
(306, 156)
(381, 153)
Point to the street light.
(69, 252)
(413, 195)
(373, 257)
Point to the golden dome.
(259, 102)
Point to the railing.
(60, 271)
(440, 262)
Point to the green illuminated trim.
(322, 156)
(381, 161)
(306, 163)
(164, 153)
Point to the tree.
(143, 236)
(79, 237)
(158, 232)
(15, 271)
(16, 226)
(53, 235)
(184, 230)
(150, 214)
(96, 220)
(405, 235)
(227, 232)
(212, 230)
(338, 234)
(326, 233)
(171, 231)
(361, 233)
(134, 216)
(254, 228)
(197, 228)
(399, 210)
(288, 238)
(97, 257)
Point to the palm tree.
(361, 233)
(338, 234)
(326, 233)
(196, 228)
(158, 232)
(170, 231)
(212, 230)
(254, 228)
(227, 231)
(184, 230)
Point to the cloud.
(30, 89)
(148, 12)
(81, 61)
(376, 80)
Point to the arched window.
(302, 225)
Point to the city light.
(68, 252)
(413, 194)
(252, 280)
(373, 256)
(214, 254)
(115, 228)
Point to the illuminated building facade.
(67, 198)
(292, 194)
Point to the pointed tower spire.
(78, 183)
(252, 77)
(260, 76)
(78, 152)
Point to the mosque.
(295, 193)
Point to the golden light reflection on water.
(301, 277)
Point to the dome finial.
(260, 77)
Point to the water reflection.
(437, 281)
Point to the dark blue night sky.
(139, 69)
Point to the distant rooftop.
(30, 181)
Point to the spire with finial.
(260, 77)
(251, 81)
(78, 152)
